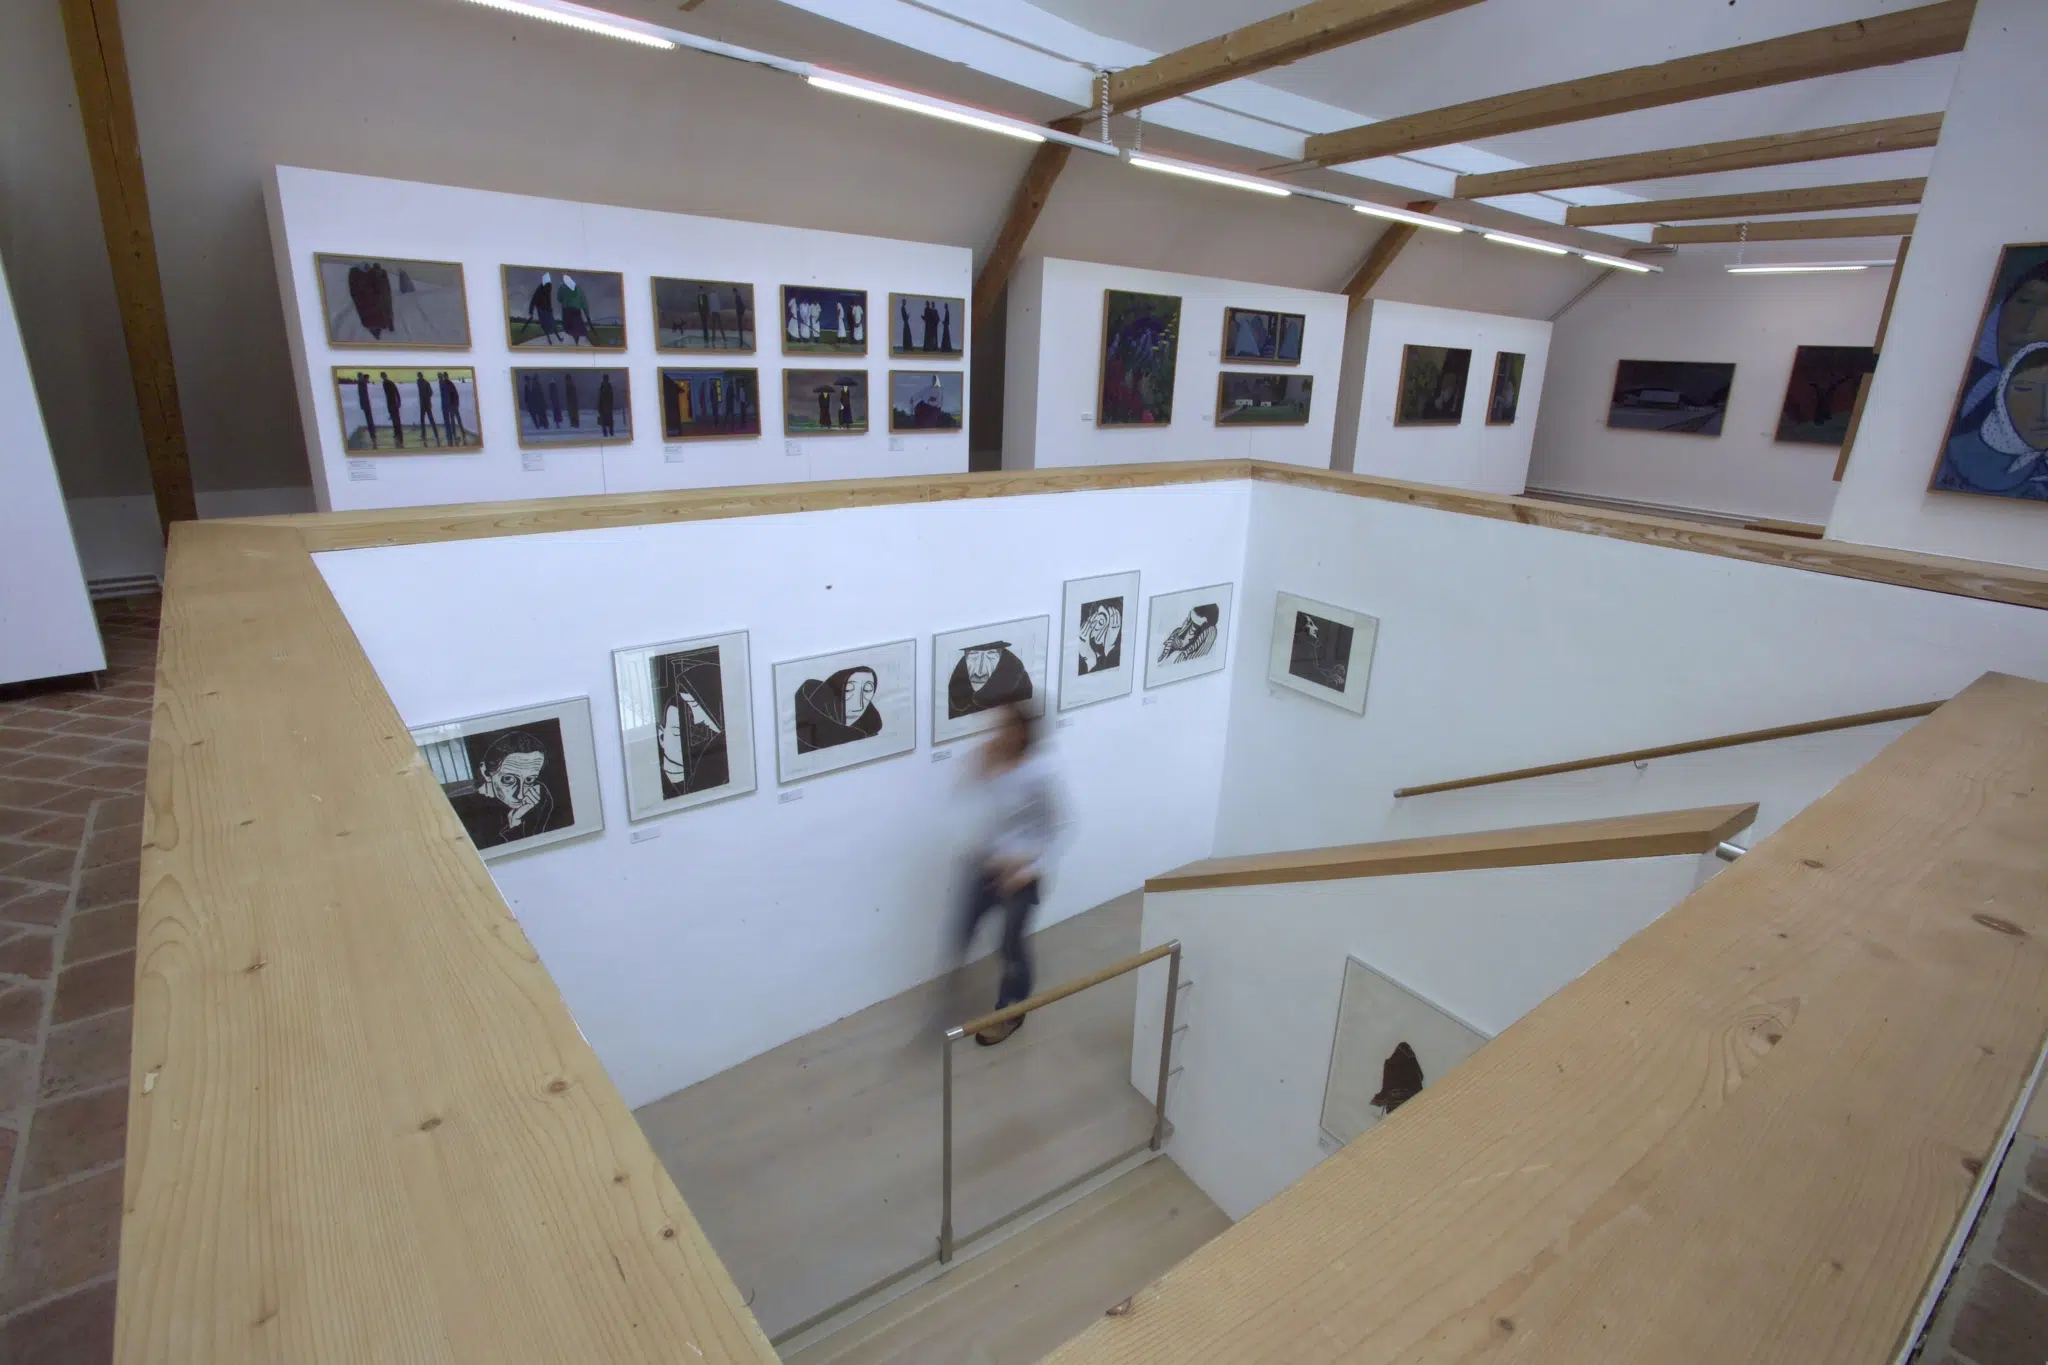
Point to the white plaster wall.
(1055, 337)
(1472, 454)
(314, 211)
(1981, 194)
(729, 929)
(1267, 963)
(1696, 310)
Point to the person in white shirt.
(1016, 799)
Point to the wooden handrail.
(1061, 992)
(1691, 746)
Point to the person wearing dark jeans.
(1014, 793)
(991, 891)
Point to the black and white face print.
(1322, 651)
(1097, 654)
(1187, 634)
(979, 670)
(518, 780)
(836, 710)
(685, 722)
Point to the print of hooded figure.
(987, 676)
(1400, 1079)
(839, 710)
(2006, 452)
(691, 741)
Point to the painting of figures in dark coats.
(927, 324)
(1432, 386)
(701, 404)
(1685, 396)
(927, 400)
(824, 402)
(390, 301)
(549, 306)
(1140, 346)
(703, 315)
(407, 410)
(818, 321)
(571, 406)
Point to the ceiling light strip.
(839, 85)
(1527, 244)
(1795, 269)
(1181, 168)
(587, 22)
(1618, 263)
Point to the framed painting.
(393, 302)
(978, 671)
(1686, 396)
(1260, 336)
(927, 325)
(557, 306)
(1997, 442)
(573, 406)
(927, 400)
(407, 409)
(835, 711)
(1821, 393)
(1097, 657)
(1322, 651)
(1432, 389)
(1140, 346)
(701, 405)
(1390, 1045)
(1187, 634)
(1262, 400)
(1505, 400)
(686, 722)
(824, 402)
(821, 321)
(518, 780)
(703, 315)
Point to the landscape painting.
(1390, 1046)
(706, 404)
(573, 406)
(927, 324)
(553, 306)
(1506, 398)
(407, 410)
(518, 780)
(824, 402)
(1262, 336)
(1821, 393)
(392, 301)
(1251, 400)
(1997, 443)
(1687, 396)
(703, 315)
(1432, 389)
(686, 723)
(819, 321)
(1140, 344)
(927, 400)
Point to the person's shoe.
(989, 1037)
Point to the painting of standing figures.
(551, 306)
(931, 325)
(818, 321)
(573, 406)
(696, 404)
(1140, 344)
(926, 400)
(406, 410)
(389, 301)
(1997, 442)
(824, 402)
(703, 315)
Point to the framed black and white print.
(1187, 634)
(518, 780)
(833, 711)
(686, 723)
(1390, 1045)
(1098, 656)
(978, 671)
(1322, 651)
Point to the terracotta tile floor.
(71, 770)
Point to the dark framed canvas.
(1687, 396)
(572, 405)
(824, 402)
(821, 321)
(552, 307)
(703, 315)
(408, 409)
(1821, 393)
(1263, 400)
(686, 722)
(709, 405)
(1506, 398)
(1997, 443)
(1432, 391)
(392, 302)
(518, 780)
(1140, 348)
(927, 400)
(927, 325)
(1262, 336)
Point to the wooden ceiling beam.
(1288, 37)
(1874, 194)
(1380, 257)
(1025, 206)
(1787, 230)
(1740, 154)
(1901, 36)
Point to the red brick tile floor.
(1995, 1309)
(72, 756)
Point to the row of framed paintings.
(433, 410)
(1432, 387)
(403, 304)
(1141, 352)
(527, 778)
(1691, 396)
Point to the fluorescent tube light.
(568, 19)
(1403, 216)
(1617, 263)
(1544, 247)
(1213, 177)
(840, 85)
(1792, 269)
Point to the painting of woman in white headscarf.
(1997, 443)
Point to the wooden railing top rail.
(1067, 988)
(1690, 746)
(1749, 1134)
(1658, 835)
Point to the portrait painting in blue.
(1997, 443)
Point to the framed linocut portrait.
(833, 711)
(1322, 651)
(1997, 442)
(518, 780)
(1390, 1046)
(977, 671)
(1098, 657)
(686, 722)
(1187, 634)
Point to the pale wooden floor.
(814, 1168)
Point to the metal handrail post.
(946, 1147)
(1166, 1047)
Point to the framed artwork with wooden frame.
(1432, 387)
(1262, 336)
(392, 302)
(1996, 445)
(1140, 352)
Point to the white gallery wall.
(1696, 310)
(687, 943)
(1472, 454)
(1054, 367)
(322, 211)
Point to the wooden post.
(1884, 322)
(92, 31)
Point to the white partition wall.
(1053, 366)
(322, 211)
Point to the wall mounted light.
(573, 16)
(1527, 245)
(1181, 168)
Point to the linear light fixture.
(569, 17)
(1793, 269)
(1404, 216)
(1617, 263)
(1525, 243)
(1240, 182)
(840, 85)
